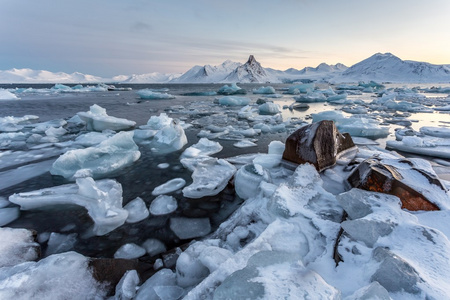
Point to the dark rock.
(110, 270)
(374, 175)
(320, 144)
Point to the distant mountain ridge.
(382, 67)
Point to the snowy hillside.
(154, 77)
(208, 73)
(388, 67)
(42, 76)
(251, 71)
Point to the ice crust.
(109, 156)
(102, 199)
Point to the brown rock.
(374, 175)
(320, 144)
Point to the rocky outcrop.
(391, 177)
(320, 144)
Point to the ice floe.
(98, 120)
(153, 95)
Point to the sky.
(113, 37)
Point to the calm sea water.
(142, 177)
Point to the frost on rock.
(98, 120)
(102, 199)
(59, 276)
(210, 177)
(107, 157)
(164, 133)
(18, 246)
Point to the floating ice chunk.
(163, 205)
(154, 247)
(268, 160)
(151, 95)
(269, 108)
(188, 228)
(231, 89)
(430, 146)
(97, 120)
(126, 288)
(169, 187)
(137, 210)
(209, 178)
(93, 138)
(129, 251)
(300, 88)
(162, 278)
(58, 243)
(7, 95)
(163, 166)
(59, 276)
(311, 97)
(276, 147)
(167, 133)
(9, 214)
(248, 178)
(442, 132)
(55, 132)
(244, 144)
(234, 101)
(18, 246)
(102, 199)
(109, 156)
(264, 90)
(204, 147)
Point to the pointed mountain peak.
(251, 59)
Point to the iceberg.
(311, 97)
(102, 199)
(234, 101)
(269, 108)
(98, 120)
(231, 89)
(266, 90)
(111, 155)
(7, 95)
(151, 95)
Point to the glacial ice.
(137, 210)
(204, 147)
(234, 101)
(269, 108)
(98, 120)
(300, 88)
(266, 90)
(126, 288)
(7, 95)
(231, 89)
(154, 247)
(210, 177)
(152, 95)
(163, 205)
(248, 178)
(169, 186)
(102, 199)
(130, 251)
(311, 97)
(109, 156)
(59, 276)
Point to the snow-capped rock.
(251, 71)
(208, 73)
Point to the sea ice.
(264, 90)
(111, 155)
(137, 210)
(204, 147)
(58, 243)
(300, 88)
(442, 132)
(7, 95)
(130, 251)
(163, 283)
(244, 144)
(127, 286)
(234, 101)
(169, 187)
(248, 178)
(269, 108)
(231, 89)
(98, 120)
(102, 199)
(188, 228)
(311, 97)
(9, 214)
(154, 247)
(59, 276)
(151, 95)
(163, 205)
(210, 177)
(18, 246)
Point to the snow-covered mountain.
(154, 77)
(208, 73)
(42, 76)
(388, 67)
(251, 71)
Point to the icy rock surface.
(107, 157)
(163, 205)
(18, 246)
(98, 120)
(137, 210)
(59, 276)
(102, 199)
(210, 177)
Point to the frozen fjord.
(280, 233)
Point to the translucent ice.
(151, 95)
(126, 288)
(204, 147)
(209, 178)
(102, 199)
(234, 101)
(231, 89)
(164, 277)
(109, 156)
(137, 210)
(188, 228)
(9, 214)
(129, 251)
(169, 187)
(248, 178)
(264, 90)
(154, 247)
(98, 120)
(269, 108)
(58, 243)
(163, 205)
